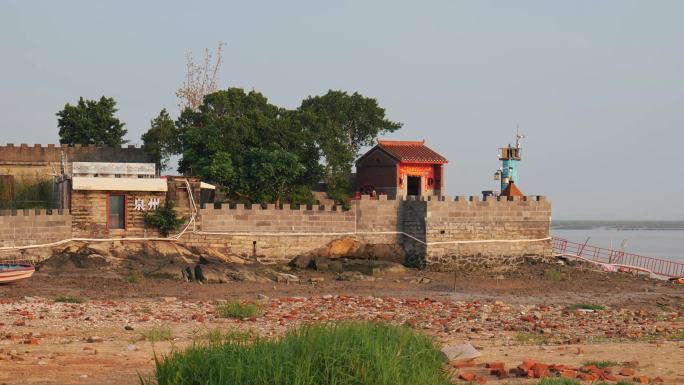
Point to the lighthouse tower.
(509, 157)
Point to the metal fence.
(618, 258)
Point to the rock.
(353, 276)
(343, 247)
(302, 262)
(132, 348)
(93, 339)
(263, 297)
(209, 255)
(288, 278)
(325, 264)
(316, 279)
(128, 327)
(169, 299)
(459, 352)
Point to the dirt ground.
(507, 316)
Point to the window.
(117, 212)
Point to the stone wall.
(488, 227)
(40, 162)
(439, 234)
(312, 219)
(31, 227)
(89, 214)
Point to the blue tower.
(509, 157)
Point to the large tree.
(341, 124)
(228, 127)
(161, 139)
(91, 122)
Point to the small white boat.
(14, 271)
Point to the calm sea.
(651, 238)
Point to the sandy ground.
(508, 317)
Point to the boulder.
(343, 247)
(302, 261)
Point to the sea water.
(650, 238)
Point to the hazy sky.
(597, 86)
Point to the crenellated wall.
(40, 162)
(439, 233)
(31, 227)
(487, 226)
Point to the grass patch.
(530, 338)
(558, 381)
(237, 309)
(601, 364)
(220, 337)
(677, 335)
(132, 278)
(323, 354)
(554, 274)
(69, 299)
(156, 334)
(586, 306)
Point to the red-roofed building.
(398, 167)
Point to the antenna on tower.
(518, 137)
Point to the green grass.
(530, 338)
(677, 335)
(69, 299)
(219, 337)
(558, 381)
(237, 309)
(601, 364)
(156, 334)
(322, 354)
(554, 274)
(586, 306)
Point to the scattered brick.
(467, 376)
(641, 380)
(627, 372)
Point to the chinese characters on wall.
(152, 204)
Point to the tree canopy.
(161, 139)
(260, 152)
(91, 122)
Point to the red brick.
(467, 376)
(568, 373)
(526, 365)
(627, 372)
(658, 380)
(641, 380)
(480, 380)
(587, 377)
(495, 365)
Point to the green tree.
(273, 173)
(161, 139)
(341, 124)
(217, 140)
(91, 122)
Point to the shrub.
(601, 364)
(530, 338)
(163, 219)
(68, 299)
(161, 333)
(237, 309)
(340, 354)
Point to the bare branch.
(200, 79)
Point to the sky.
(597, 87)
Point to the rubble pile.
(443, 319)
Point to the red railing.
(621, 259)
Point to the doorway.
(413, 185)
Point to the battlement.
(38, 153)
(33, 213)
(225, 207)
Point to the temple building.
(397, 167)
